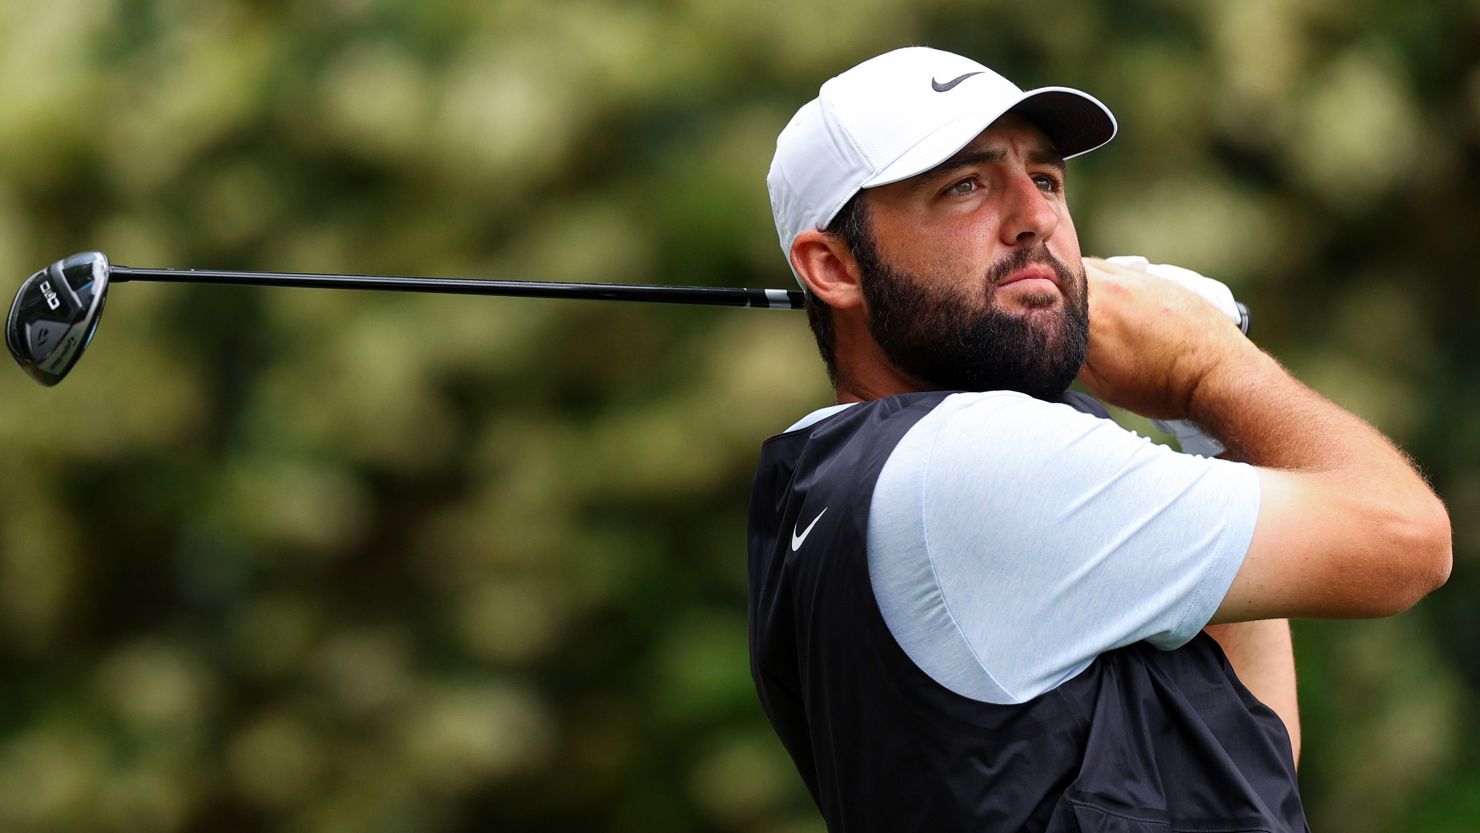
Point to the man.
(975, 603)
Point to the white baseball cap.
(900, 114)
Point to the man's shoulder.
(819, 415)
(999, 422)
(996, 442)
(978, 403)
(1014, 420)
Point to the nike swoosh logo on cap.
(796, 540)
(951, 84)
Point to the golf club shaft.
(704, 295)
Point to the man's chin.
(1028, 296)
(1047, 323)
(1029, 299)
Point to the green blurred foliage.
(316, 562)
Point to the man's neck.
(876, 382)
(865, 373)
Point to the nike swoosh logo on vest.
(796, 540)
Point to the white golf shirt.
(1011, 541)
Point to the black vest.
(1142, 740)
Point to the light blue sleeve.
(1011, 541)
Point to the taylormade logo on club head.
(951, 84)
(47, 333)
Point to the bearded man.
(975, 602)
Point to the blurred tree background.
(318, 561)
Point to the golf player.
(976, 604)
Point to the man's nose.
(1028, 217)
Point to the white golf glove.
(1190, 438)
(1214, 292)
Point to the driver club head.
(55, 314)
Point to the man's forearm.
(1365, 533)
(1263, 656)
(1267, 417)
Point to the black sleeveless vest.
(1142, 740)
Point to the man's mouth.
(1030, 276)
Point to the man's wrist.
(1224, 401)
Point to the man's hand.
(1153, 343)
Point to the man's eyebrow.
(965, 158)
(969, 157)
(1046, 156)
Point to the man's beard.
(959, 339)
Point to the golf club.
(56, 310)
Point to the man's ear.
(827, 268)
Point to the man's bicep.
(1312, 555)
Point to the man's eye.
(964, 187)
(1047, 183)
